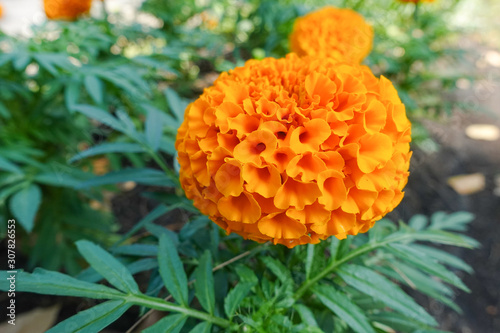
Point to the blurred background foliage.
(150, 71)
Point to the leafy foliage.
(353, 284)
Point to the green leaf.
(306, 315)
(443, 257)
(205, 327)
(176, 104)
(235, 296)
(396, 321)
(172, 270)
(55, 178)
(334, 248)
(168, 324)
(377, 286)
(448, 238)
(141, 250)
(106, 265)
(46, 282)
(455, 222)
(92, 320)
(72, 95)
(204, 284)
(154, 128)
(418, 222)
(101, 116)
(278, 269)
(342, 306)
(143, 176)
(95, 88)
(106, 148)
(9, 166)
(426, 263)
(24, 205)
(309, 260)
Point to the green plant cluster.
(76, 92)
(336, 286)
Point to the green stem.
(334, 264)
(161, 305)
(161, 163)
(415, 12)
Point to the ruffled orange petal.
(310, 136)
(260, 143)
(280, 226)
(264, 180)
(228, 178)
(375, 150)
(332, 188)
(296, 194)
(305, 167)
(243, 208)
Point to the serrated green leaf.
(444, 257)
(246, 274)
(204, 284)
(108, 266)
(101, 116)
(205, 327)
(396, 321)
(42, 281)
(377, 286)
(278, 269)
(24, 205)
(92, 320)
(176, 104)
(61, 179)
(448, 238)
(172, 270)
(154, 128)
(168, 324)
(306, 315)
(235, 296)
(95, 88)
(142, 176)
(455, 221)
(106, 148)
(9, 166)
(426, 263)
(309, 259)
(418, 222)
(140, 250)
(72, 94)
(342, 306)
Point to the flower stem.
(159, 304)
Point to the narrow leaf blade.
(172, 270)
(108, 266)
(204, 284)
(24, 205)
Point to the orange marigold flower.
(415, 1)
(66, 9)
(1, 11)
(332, 32)
(295, 150)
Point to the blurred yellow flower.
(66, 9)
(332, 32)
(295, 150)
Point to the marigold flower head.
(66, 9)
(415, 1)
(295, 150)
(332, 32)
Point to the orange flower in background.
(332, 32)
(1, 11)
(66, 9)
(415, 1)
(295, 150)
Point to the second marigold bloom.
(341, 34)
(66, 9)
(295, 150)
